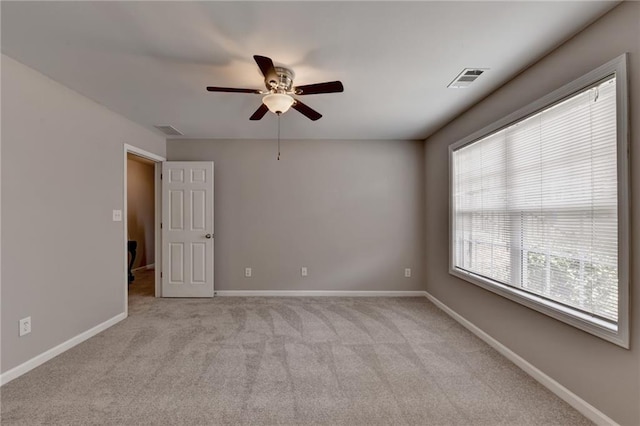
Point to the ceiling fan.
(278, 96)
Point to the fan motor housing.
(281, 82)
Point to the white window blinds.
(535, 204)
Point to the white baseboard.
(38, 360)
(145, 267)
(588, 410)
(317, 293)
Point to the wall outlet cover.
(25, 326)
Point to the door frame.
(157, 159)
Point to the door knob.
(208, 236)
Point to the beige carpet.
(293, 361)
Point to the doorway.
(141, 223)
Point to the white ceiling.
(151, 61)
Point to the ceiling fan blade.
(232, 90)
(314, 89)
(260, 112)
(308, 112)
(266, 65)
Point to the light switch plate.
(117, 215)
(303, 271)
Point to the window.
(539, 205)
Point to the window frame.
(618, 335)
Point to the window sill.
(578, 319)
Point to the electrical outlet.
(407, 272)
(303, 271)
(247, 272)
(25, 326)
(117, 215)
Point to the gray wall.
(62, 175)
(602, 373)
(350, 211)
(141, 208)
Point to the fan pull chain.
(279, 136)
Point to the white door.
(187, 229)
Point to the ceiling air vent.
(466, 77)
(169, 130)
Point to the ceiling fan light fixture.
(279, 84)
(278, 103)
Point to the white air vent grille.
(169, 130)
(466, 77)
